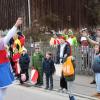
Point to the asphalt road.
(17, 92)
(23, 93)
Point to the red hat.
(62, 37)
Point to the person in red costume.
(16, 44)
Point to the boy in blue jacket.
(48, 70)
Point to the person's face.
(37, 50)
(47, 56)
(84, 33)
(62, 41)
(23, 52)
(96, 48)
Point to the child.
(24, 64)
(49, 70)
(96, 69)
(37, 59)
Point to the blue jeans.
(97, 78)
(49, 78)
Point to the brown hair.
(49, 53)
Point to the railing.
(83, 57)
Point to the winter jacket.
(96, 64)
(48, 66)
(37, 59)
(24, 61)
(67, 50)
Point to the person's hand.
(19, 22)
(65, 55)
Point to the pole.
(29, 13)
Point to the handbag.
(68, 67)
(34, 76)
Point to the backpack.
(68, 67)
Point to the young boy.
(48, 69)
(37, 59)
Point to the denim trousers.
(97, 78)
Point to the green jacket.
(37, 59)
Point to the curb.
(63, 94)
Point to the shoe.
(21, 83)
(40, 84)
(51, 88)
(96, 95)
(36, 84)
(46, 88)
(93, 82)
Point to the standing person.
(96, 41)
(6, 75)
(24, 64)
(69, 74)
(37, 59)
(96, 69)
(63, 51)
(84, 48)
(48, 69)
(93, 42)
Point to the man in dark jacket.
(24, 64)
(63, 51)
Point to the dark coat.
(67, 50)
(24, 61)
(48, 66)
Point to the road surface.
(17, 92)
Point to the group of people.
(44, 64)
(85, 39)
(18, 61)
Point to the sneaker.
(93, 82)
